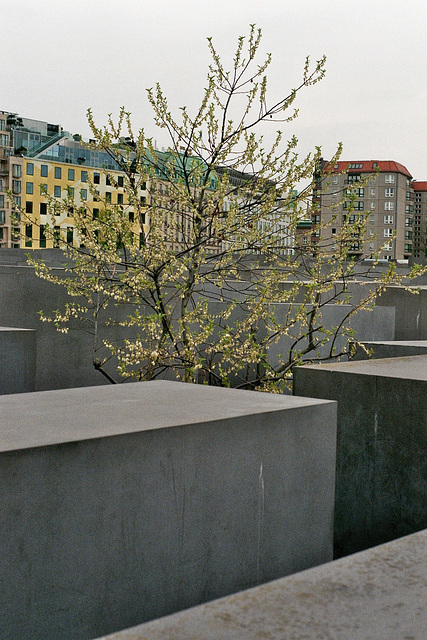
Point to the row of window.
(44, 169)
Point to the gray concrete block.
(18, 360)
(377, 594)
(411, 311)
(381, 492)
(390, 349)
(121, 504)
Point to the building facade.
(378, 192)
(420, 220)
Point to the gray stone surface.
(379, 594)
(381, 489)
(123, 504)
(390, 349)
(411, 311)
(17, 360)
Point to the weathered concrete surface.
(17, 360)
(121, 504)
(411, 311)
(381, 489)
(390, 349)
(379, 594)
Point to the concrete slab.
(379, 594)
(391, 349)
(381, 492)
(18, 360)
(72, 415)
(121, 504)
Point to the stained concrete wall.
(17, 360)
(377, 594)
(125, 503)
(381, 490)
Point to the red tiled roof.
(420, 186)
(370, 166)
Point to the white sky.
(60, 57)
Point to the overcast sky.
(60, 57)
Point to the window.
(120, 181)
(95, 214)
(17, 201)
(96, 178)
(389, 192)
(372, 218)
(388, 206)
(43, 189)
(408, 248)
(131, 216)
(143, 200)
(408, 235)
(2, 124)
(58, 173)
(30, 169)
(371, 232)
(108, 196)
(359, 192)
(16, 171)
(357, 205)
(28, 235)
(57, 191)
(29, 188)
(16, 186)
(335, 180)
(388, 246)
(69, 235)
(70, 174)
(84, 176)
(388, 233)
(42, 242)
(107, 180)
(2, 201)
(389, 178)
(356, 165)
(409, 208)
(2, 217)
(120, 198)
(28, 207)
(4, 140)
(70, 191)
(371, 246)
(56, 237)
(408, 222)
(43, 170)
(372, 205)
(353, 178)
(143, 186)
(43, 208)
(388, 219)
(373, 191)
(142, 218)
(83, 194)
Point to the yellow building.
(44, 182)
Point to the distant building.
(420, 220)
(385, 195)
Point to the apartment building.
(41, 163)
(420, 220)
(378, 191)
